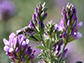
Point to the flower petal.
(6, 42)
(79, 24)
(11, 50)
(6, 48)
(78, 36)
(12, 35)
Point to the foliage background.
(25, 9)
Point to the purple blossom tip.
(58, 27)
(31, 24)
(68, 23)
(79, 24)
(34, 17)
(61, 23)
(41, 23)
(12, 35)
(5, 41)
(36, 9)
(63, 11)
(45, 15)
(6, 48)
(77, 35)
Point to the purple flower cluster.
(36, 24)
(7, 9)
(38, 17)
(70, 24)
(17, 49)
(57, 49)
(55, 31)
(52, 36)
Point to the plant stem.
(50, 56)
(42, 39)
(50, 51)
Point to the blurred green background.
(24, 12)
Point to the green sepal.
(47, 43)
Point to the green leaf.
(41, 56)
(37, 36)
(40, 47)
(47, 43)
(32, 38)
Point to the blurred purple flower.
(17, 48)
(7, 9)
(39, 62)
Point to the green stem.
(65, 43)
(50, 51)
(50, 56)
(42, 39)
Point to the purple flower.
(7, 9)
(34, 17)
(57, 50)
(17, 48)
(31, 24)
(76, 35)
(64, 54)
(61, 23)
(79, 25)
(57, 47)
(38, 17)
(36, 24)
(39, 62)
(70, 23)
(58, 27)
(45, 15)
(40, 23)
